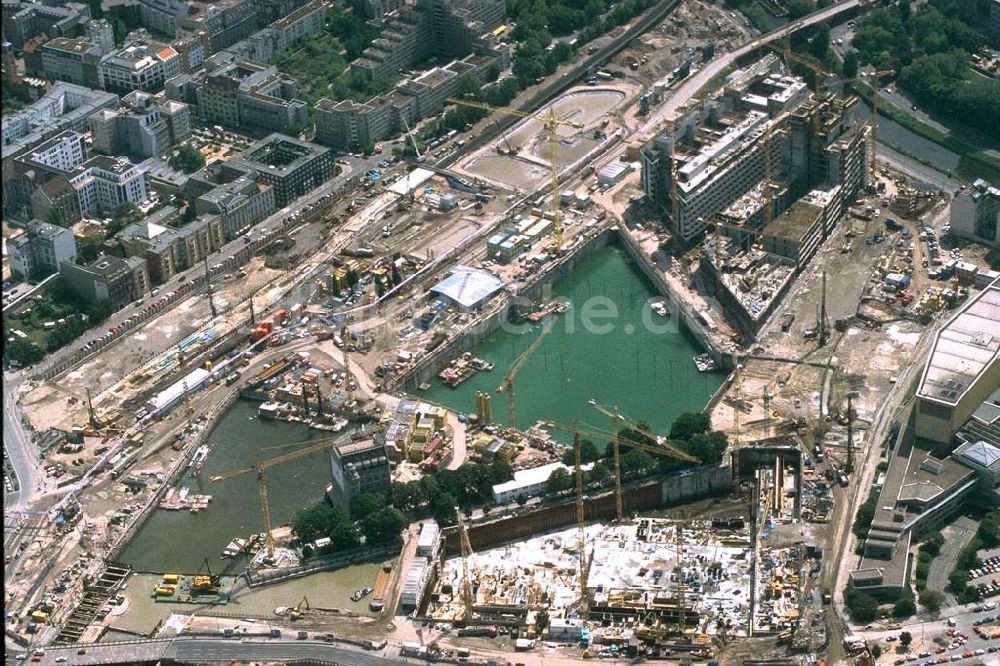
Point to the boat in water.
(660, 308)
(704, 363)
(361, 594)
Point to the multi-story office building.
(293, 167)
(23, 21)
(963, 369)
(975, 213)
(103, 183)
(38, 251)
(225, 21)
(240, 203)
(243, 94)
(108, 278)
(71, 60)
(140, 65)
(358, 467)
(142, 127)
(163, 16)
(100, 32)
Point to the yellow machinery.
(296, 612)
(466, 549)
(551, 122)
(307, 448)
(663, 449)
(508, 380)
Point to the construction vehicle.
(552, 123)
(307, 448)
(420, 158)
(508, 380)
(296, 612)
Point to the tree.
(443, 509)
(366, 504)
(689, 424)
(876, 650)
(905, 638)
(126, 213)
(559, 480)
(23, 351)
(541, 621)
(707, 447)
(588, 453)
(54, 216)
(820, 43)
(862, 606)
(931, 600)
(904, 607)
(799, 8)
(599, 473)
(187, 159)
(88, 249)
(850, 68)
(636, 461)
(383, 525)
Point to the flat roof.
(411, 181)
(963, 349)
(794, 222)
(468, 286)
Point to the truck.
(411, 649)
(827, 597)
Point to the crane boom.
(420, 158)
(508, 380)
(551, 123)
(307, 448)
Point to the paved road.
(922, 171)
(956, 535)
(218, 649)
(20, 449)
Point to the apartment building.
(142, 127)
(168, 250)
(71, 60)
(349, 125)
(163, 16)
(39, 249)
(975, 213)
(761, 127)
(108, 278)
(455, 26)
(23, 21)
(225, 21)
(264, 45)
(142, 64)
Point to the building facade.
(140, 65)
(40, 250)
(142, 127)
(358, 467)
(108, 278)
(71, 60)
(975, 213)
(292, 166)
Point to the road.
(925, 631)
(192, 649)
(19, 447)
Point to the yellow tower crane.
(661, 449)
(552, 123)
(466, 550)
(307, 448)
(508, 380)
(664, 448)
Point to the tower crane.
(508, 380)
(552, 123)
(466, 550)
(307, 448)
(665, 448)
(662, 449)
(420, 158)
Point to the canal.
(636, 361)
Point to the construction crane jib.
(551, 122)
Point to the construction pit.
(632, 580)
(520, 159)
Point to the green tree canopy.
(559, 480)
(187, 158)
(689, 424)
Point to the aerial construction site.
(606, 374)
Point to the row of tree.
(930, 47)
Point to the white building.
(528, 482)
(141, 65)
(975, 213)
(414, 583)
(104, 182)
(963, 369)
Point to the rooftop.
(981, 453)
(468, 286)
(963, 349)
(794, 222)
